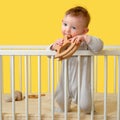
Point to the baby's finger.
(60, 43)
(73, 39)
(77, 41)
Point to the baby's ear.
(86, 30)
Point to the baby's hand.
(79, 38)
(58, 42)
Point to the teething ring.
(67, 49)
(70, 52)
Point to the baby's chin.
(68, 35)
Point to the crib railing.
(40, 51)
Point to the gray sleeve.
(95, 45)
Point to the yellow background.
(38, 22)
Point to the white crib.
(106, 105)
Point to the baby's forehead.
(69, 16)
(75, 19)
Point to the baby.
(75, 23)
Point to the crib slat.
(65, 89)
(52, 95)
(39, 87)
(96, 73)
(29, 74)
(105, 87)
(79, 74)
(57, 65)
(20, 71)
(118, 102)
(13, 86)
(26, 86)
(92, 86)
(1, 88)
(114, 74)
(48, 75)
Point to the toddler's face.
(73, 26)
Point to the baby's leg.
(85, 93)
(85, 98)
(59, 98)
(59, 95)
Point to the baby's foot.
(90, 112)
(60, 110)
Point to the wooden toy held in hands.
(67, 49)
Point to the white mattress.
(46, 109)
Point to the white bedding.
(46, 109)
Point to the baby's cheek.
(74, 34)
(63, 33)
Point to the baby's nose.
(67, 30)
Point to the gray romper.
(95, 45)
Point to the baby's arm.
(94, 44)
(57, 42)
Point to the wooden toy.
(67, 49)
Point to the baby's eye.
(74, 28)
(65, 24)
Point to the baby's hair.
(79, 11)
